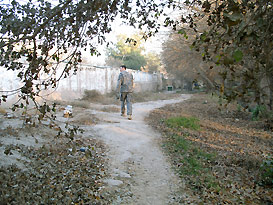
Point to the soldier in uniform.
(124, 91)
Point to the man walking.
(124, 91)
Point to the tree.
(130, 52)
(127, 51)
(153, 62)
(237, 37)
(184, 63)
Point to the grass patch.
(186, 122)
(191, 162)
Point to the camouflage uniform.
(125, 89)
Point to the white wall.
(102, 79)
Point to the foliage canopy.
(236, 35)
(128, 51)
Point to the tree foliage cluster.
(185, 64)
(236, 35)
(127, 51)
(130, 51)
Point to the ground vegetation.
(222, 153)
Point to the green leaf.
(238, 55)
(181, 31)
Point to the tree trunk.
(209, 82)
(270, 92)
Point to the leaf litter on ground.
(221, 162)
(53, 169)
(62, 172)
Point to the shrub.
(261, 112)
(92, 95)
(267, 171)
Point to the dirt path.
(135, 159)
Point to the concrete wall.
(102, 79)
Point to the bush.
(267, 171)
(260, 112)
(92, 95)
